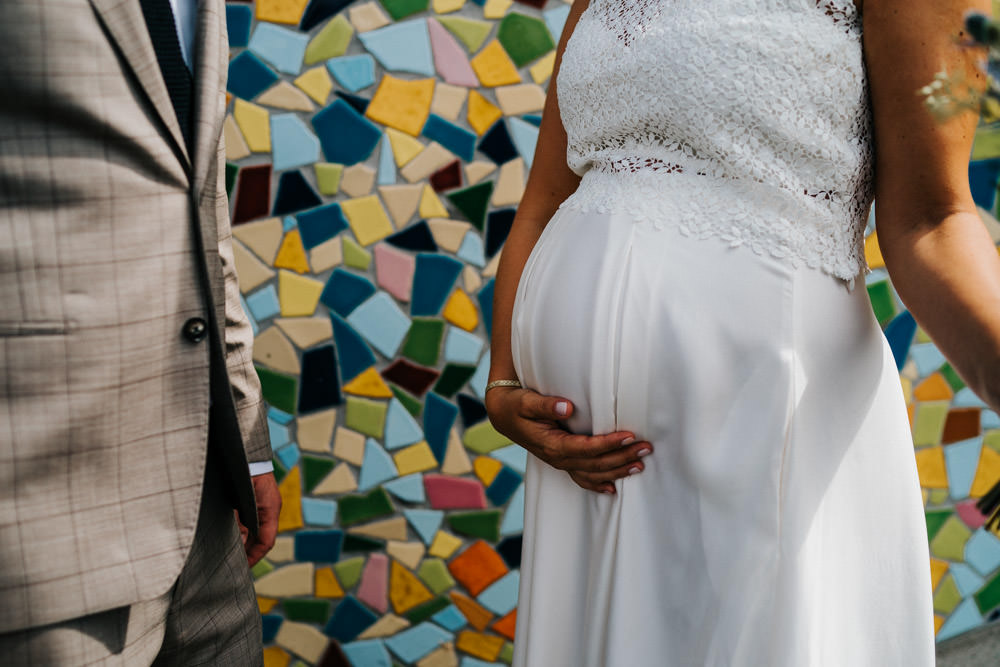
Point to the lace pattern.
(759, 107)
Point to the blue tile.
(278, 433)
(475, 662)
(514, 456)
(402, 47)
(416, 237)
(534, 119)
(555, 19)
(471, 250)
(457, 139)
(416, 642)
(346, 136)
(294, 194)
(288, 223)
(439, 417)
(965, 617)
(513, 518)
(319, 386)
(478, 380)
(962, 459)
(250, 317)
(966, 398)
(319, 512)
(498, 224)
(401, 428)
(238, 20)
(380, 321)
(927, 358)
(966, 579)
(376, 468)
(353, 72)
(321, 224)
(989, 420)
(462, 347)
(900, 334)
(425, 522)
(357, 102)
(386, 164)
(318, 546)
(409, 489)
(249, 76)
(450, 618)
(349, 619)
(433, 280)
(264, 303)
(983, 175)
(280, 416)
(982, 552)
(288, 455)
(292, 143)
(525, 136)
(501, 597)
(282, 47)
(345, 291)
(503, 486)
(367, 653)
(270, 623)
(355, 355)
(485, 298)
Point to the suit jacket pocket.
(35, 328)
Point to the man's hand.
(265, 489)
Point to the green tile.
(882, 300)
(355, 256)
(426, 610)
(473, 202)
(434, 573)
(951, 375)
(471, 32)
(307, 611)
(412, 405)
(483, 438)
(278, 390)
(484, 524)
(402, 8)
(524, 38)
(507, 653)
(231, 171)
(938, 496)
(262, 567)
(314, 469)
(992, 440)
(947, 597)
(935, 520)
(330, 42)
(328, 177)
(423, 342)
(349, 571)
(988, 596)
(365, 416)
(453, 378)
(279, 470)
(928, 422)
(360, 543)
(364, 507)
(949, 542)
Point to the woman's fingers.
(535, 406)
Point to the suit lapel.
(124, 22)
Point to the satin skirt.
(779, 520)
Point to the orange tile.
(327, 585)
(476, 614)
(505, 626)
(477, 567)
(934, 388)
(479, 645)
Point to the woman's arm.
(525, 416)
(939, 255)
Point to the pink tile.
(970, 514)
(444, 492)
(394, 271)
(373, 589)
(449, 57)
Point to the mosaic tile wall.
(376, 151)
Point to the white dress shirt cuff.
(261, 468)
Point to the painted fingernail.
(562, 408)
(645, 451)
(627, 441)
(634, 470)
(609, 492)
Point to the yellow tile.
(284, 95)
(405, 590)
(987, 473)
(387, 529)
(471, 279)
(251, 271)
(938, 569)
(415, 458)
(479, 645)
(433, 157)
(486, 469)
(460, 311)
(496, 9)
(404, 147)
(478, 170)
(349, 445)
(263, 237)
(292, 254)
(430, 204)
(314, 432)
(255, 124)
(510, 184)
(402, 104)
(448, 233)
(236, 145)
(444, 545)
(445, 6)
(327, 585)
(316, 83)
(938, 622)
(542, 69)
(281, 11)
(934, 388)
(907, 386)
(456, 458)
(490, 270)
(401, 201)
(448, 100)
(931, 468)
(272, 349)
(494, 67)
(386, 626)
(326, 255)
(368, 383)
(328, 175)
(367, 218)
(340, 480)
(266, 604)
(408, 553)
(298, 295)
(481, 113)
(357, 180)
(873, 253)
(520, 99)
(290, 490)
(306, 331)
(275, 656)
(368, 16)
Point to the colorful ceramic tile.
(472, 33)
(249, 76)
(448, 234)
(494, 67)
(371, 653)
(380, 321)
(409, 488)
(460, 311)
(299, 295)
(367, 16)
(962, 459)
(349, 619)
(367, 218)
(448, 100)
(264, 237)
(330, 42)
(496, 9)
(445, 6)
(525, 136)
(416, 642)
(484, 646)
(271, 348)
(449, 58)
(406, 591)
(303, 640)
(386, 529)
(433, 157)
(425, 522)
(423, 344)
(254, 124)
(288, 581)
(477, 567)
(368, 383)
(525, 38)
(394, 271)
(283, 48)
(340, 480)
(542, 69)
(236, 146)
(402, 47)
(402, 105)
(415, 458)
(447, 178)
(456, 139)
(471, 251)
(345, 136)
(357, 180)
(386, 626)
(416, 238)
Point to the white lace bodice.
(744, 119)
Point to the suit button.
(195, 329)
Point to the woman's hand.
(594, 462)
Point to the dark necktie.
(160, 23)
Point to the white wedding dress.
(704, 289)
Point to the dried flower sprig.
(951, 94)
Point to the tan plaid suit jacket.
(112, 237)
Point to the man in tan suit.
(127, 383)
